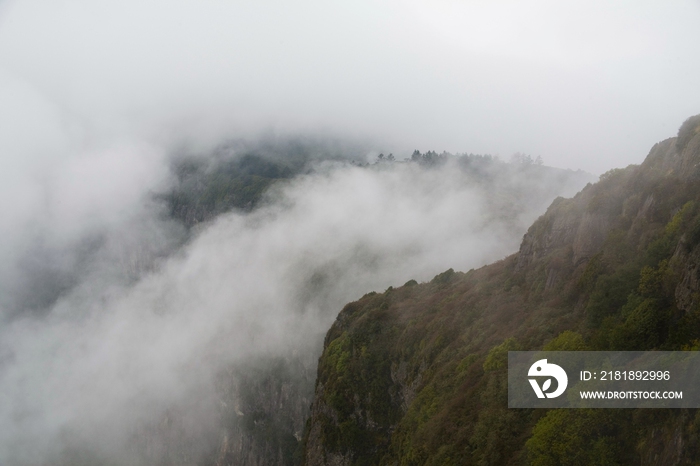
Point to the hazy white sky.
(587, 84)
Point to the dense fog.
(139, 314)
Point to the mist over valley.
(274, 233)
(156, 317)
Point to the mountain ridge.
(416, 375)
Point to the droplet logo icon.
(543, 369)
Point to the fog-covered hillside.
(185, 327)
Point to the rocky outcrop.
(663, 157)
(264, 407)
(679, 156)
(687, 292)
(568, 235)
(568, 223)
(688, 145)
(672, 444)
(407, 386)
(316, 453)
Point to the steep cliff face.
(258, 420)
(264, 406)
(416, 375)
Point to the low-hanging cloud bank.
(124, 343)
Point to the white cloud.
(110, 356)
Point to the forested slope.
(417, 374)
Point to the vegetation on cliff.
(417, 375)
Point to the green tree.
(582, 437)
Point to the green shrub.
(498, 355)
(567, 341)
(581, 437)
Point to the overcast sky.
(587, 84)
